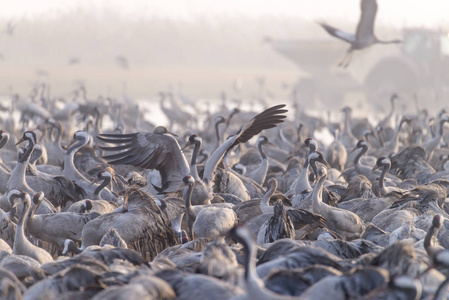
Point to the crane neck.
(58, 135)
(282, 136)
(302, 182)
(440, 132)
(336, 134)
(190, 216)
(17, 178)
(385, 170)
(379, 137)
(217, 133)
(363, 150)
(390, 115)
(70, 171)
(99, 188)
(27, 154)
(36, 206)
(193, 168)
(265, 201)
(395, 139)
(261, 152)
(19, 237)
(250, 265)
(188, 199)
(317, 196)
(214, 160)
(433, 231)
(24, 214)
(347, 127)
(70, 245)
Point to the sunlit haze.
(397, 12)
(201, 47)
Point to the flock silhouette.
(227, 201)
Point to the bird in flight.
(364, 35)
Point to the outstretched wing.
(340, 34)
(269, 118)
(301, 218)
(151, 151)
(365, 28)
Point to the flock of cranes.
(201, 210)
(132, 209)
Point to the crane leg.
(346, 59)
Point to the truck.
(417, 68)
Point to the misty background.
(114, 53)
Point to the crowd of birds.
(226, 203)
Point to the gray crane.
(22, 246)
(364, 35)
(160, 151)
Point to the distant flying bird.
(42, 72)
(10, 27)
(122, 61)
(364, 36)
(74, 61)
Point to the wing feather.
(151, 151)
(269, 118)
(300, 217)
(365, 28)
(265, 120)
(340, 34)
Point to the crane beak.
(180, 187)
(355, 148)
(374, 169)
(71, 144)
(326, 164)
(17, 203)
(94, 181)
(188, 144)
(20, 141)
(299, 148)
(271, 144)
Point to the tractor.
(418, 67)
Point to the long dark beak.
(71, 143)
(374, 169)
(188, 144)
(95, 180)
(326, 164)
(355, 148)
(181, 186)
(20, 141)
(300, 148)
(271, 144)
(18, 202)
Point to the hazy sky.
(391, 12)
